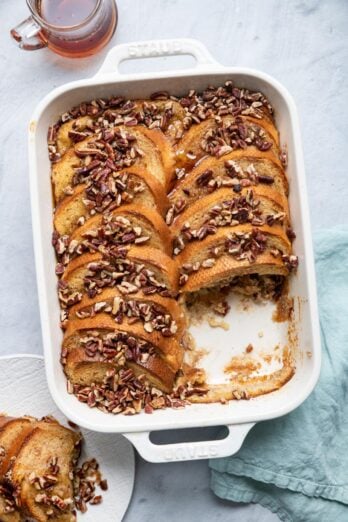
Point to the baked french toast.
(39, 457)
(157, 201)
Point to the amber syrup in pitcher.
(77, 28)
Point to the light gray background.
(302, 43)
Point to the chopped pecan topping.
(62, 504)
(238, 210)
(113, 231)
(291, 261)
(232, 135)
(204, 178)
(152, 315)
(116, 347)
(128, 276)
(9, 496)
(123, 392)
(87, 479)
(225, 100)
(246, 245)
(110, 146)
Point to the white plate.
(24, 391)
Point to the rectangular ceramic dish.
(241, 415)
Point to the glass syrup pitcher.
(72, 28)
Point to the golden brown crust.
(164, 266)
(157, 155)
(166, 150)
(191, 142)
(84, 370)
(29, 445)
(266, 159)
(169, 348)
(169, 305)
(226, 267)
(4, 419)
(155, 227)
(48, 439)
(64, 142)
(269, 198)
(72, 207)
(194, 249)
(156, 158)
(12, 433)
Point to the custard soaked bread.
(157, 201)
(166, 115)
(127, 225)
(167, 347)
(236, 171)
(153, 311)
(258, 206)
(219, 137)
(104, 192)
(114, 150)
(134, 269)
(234, 252)
(93, 346)
(173, 115)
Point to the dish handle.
(190, 450)
(157, 48)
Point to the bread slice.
(80, 369)
(164, 114)
(48, 444)
(218, 101)
(258, 206)
(146, 148)
(12, 433)
(136, 186)
(217, 138)
(237, 170)
(86, 367)
(167, 347)
(126, 225)
(144, 268)
(209, 263)
(62, 174)
(82, 126)
(137, 305)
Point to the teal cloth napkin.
(297, 465)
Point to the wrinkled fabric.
(297, 465)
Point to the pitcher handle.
(28, 35)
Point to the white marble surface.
(302, 43)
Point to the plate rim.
(131, 447)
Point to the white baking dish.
(239, 416)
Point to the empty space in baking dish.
(246, 340)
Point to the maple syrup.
(77, 28)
